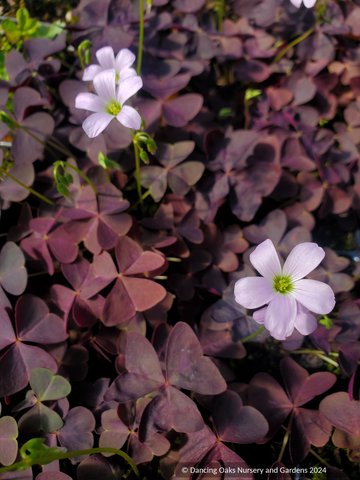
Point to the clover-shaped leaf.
(8, 443)
(48, 386)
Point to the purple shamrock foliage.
(48, 237)
(34, 323)
(129, 294)
(343, 414)
(98, 221)
(180, 177)
(186, 367)
(307, 426)
(24, 147)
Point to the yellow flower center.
(282, 284)
(114, 108)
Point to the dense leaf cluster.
(118, 323)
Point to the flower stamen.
(282, 284)
(114, 108)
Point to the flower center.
(282, 284)
(114, 108)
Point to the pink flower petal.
(90, 72)
(128, 88)
(265, 259)
(297, 3)
(129, 117)
(128, 72)
(303, 259)
(106, 57)
(96, 123)
(259, 315)
(104, 84)
(253, 292)
(309, 3)
(124, 59)
(280, 316)
(305, 322)
(89, 101)
(317, 297)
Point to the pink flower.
(290, 298)
(121, 64)
(109, 103)
(307, 3)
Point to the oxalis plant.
(179, 267)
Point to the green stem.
(173, 259)
(221, 15)
(319, 458)
(286, 438)
(141, 37)
(50, 202)
(14, 122)
(85, 177)
(146, 194)
(62, 456)
(317, 353)
(138, 184)
(246, 105)
(293, 43)
(253, 335)
(55, 143)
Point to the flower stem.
(11, 121)
(141, 38)
(138, 184)
(293, 43)
(62, 456)
(319, 458)
(61, 148)
(318, 353)
(247, 113)
(221, 15)
(47, 200)
(146, 194)
(253, 335)
(63, 164)
(286, 438)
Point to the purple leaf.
(300, 387)
(97, 466)
(34, 323)
(169, 409)
(17, 364)
(342, 413)
(52, 476)
(179, 111)
(269, 398)
(307, 427)
(187, 367)
(115, 432)
(236, 423)
(76, 433)
(143, 373)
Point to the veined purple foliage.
(235, 147)
(35, 324)
(48, 237)
(186, 367)
(307, 426)
(24, 147)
